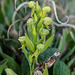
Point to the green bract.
(31, 4)
(44, 32)
(47, 20)
(38, 8)
(42, 14)
(40, 47)
(35, 17)
(46, 9)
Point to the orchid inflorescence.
(38, 28)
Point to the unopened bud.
(47, 20)
(31, 4)
(40, 47)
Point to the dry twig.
(66, 25)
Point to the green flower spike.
(31, 4)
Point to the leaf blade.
(29, 43)
(45, 71)
(60, 69)
(12, 64)
(2, 65)
(10, 72)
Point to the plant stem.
(32, 67)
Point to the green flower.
(47, 20)
(30, 21)
(31, 4)
(44, 32)
(46, 9)
(40, 47)
(22, 39)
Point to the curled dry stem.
(17, 9)
(17, 12)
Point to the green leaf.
(39, 25)
(47, 27)
(1, 29)
(63, 41)
(71, 62)
(70, 7)
(39, 41)
(45, 71)
(47, 43)
(9, 9)
(29, 43)
(69, 54)
(25, 66)
(43, 57)
(34, 34)
(11, 63)
(2, 65)
(28, 56)
(26, 53)
(53, 30)
(73, 73)
(33, 10)
(60, 69)
(0, 49)
(72, 35)
(1, 15)
(10, 72)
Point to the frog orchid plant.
(38, 27)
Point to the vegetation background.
(64, 40)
